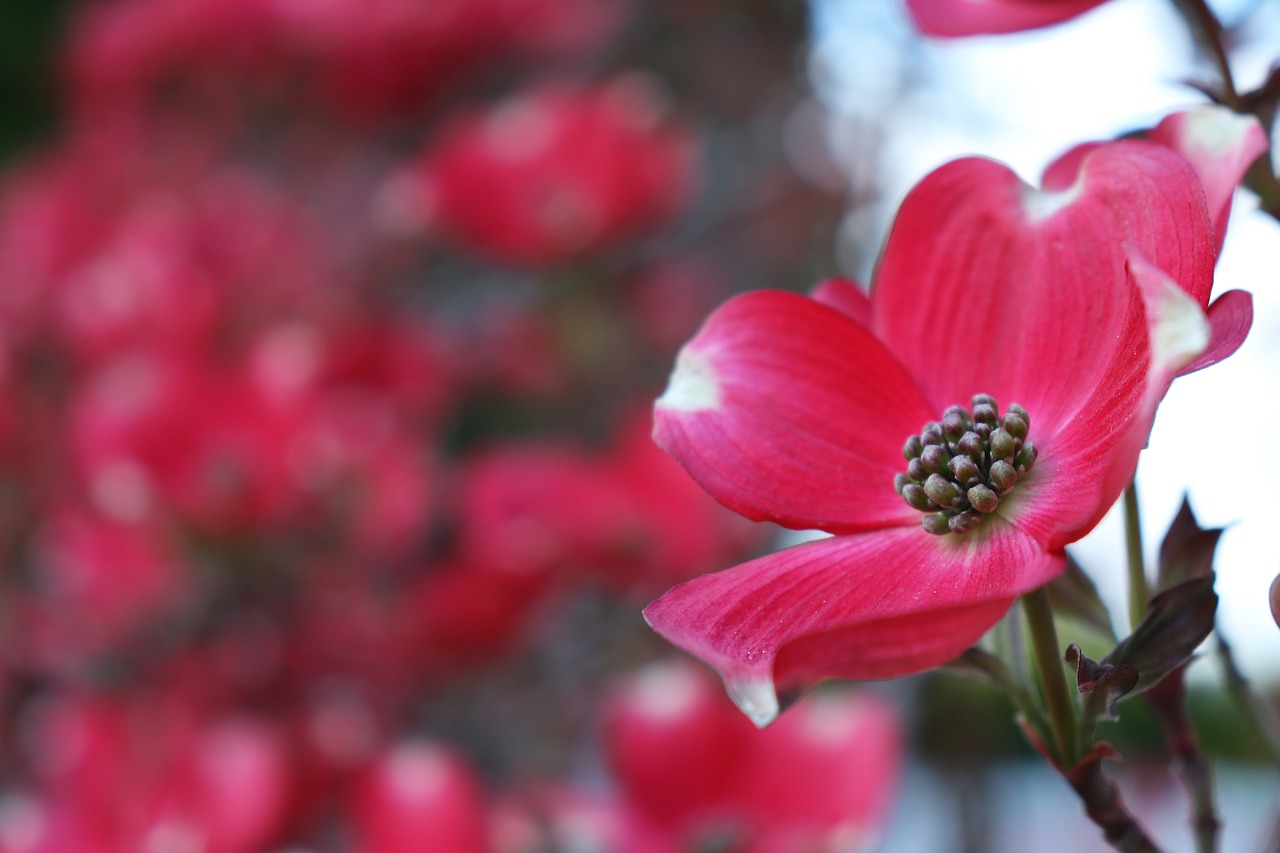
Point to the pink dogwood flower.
(981, 410)
(954, 18)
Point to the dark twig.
(1168, 700)
(1207, 31)
(1104, 806)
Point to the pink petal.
(872, 605)
(950, 18)
(783, 409)
(1220, 145)
(1084, 465)
(990, 286)
(846, 297)
(1062, 173)
(1230, 318)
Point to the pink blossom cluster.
(365, 59)
(327, 332)
(168, 768)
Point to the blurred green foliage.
(28, 78)
(965, 722)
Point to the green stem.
(1139, 593)
(1053, 675)
(1011, 649)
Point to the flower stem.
(1053, 677)
(1168, 700)
(1139, 593)
(1011, 648)
(1101, 797)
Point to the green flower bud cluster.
(959, 468)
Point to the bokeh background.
(328, 335)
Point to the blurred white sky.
(1024, 99)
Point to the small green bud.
(942, 491)
(935, 459)
(936, 523)
(1002, 444)
(1026, 458)
(965, 471)
(955, 423)
(959, 466)
(983, 400)
(983, 499)
(970, 444)
(915, 496)
(1003, 476)
(965, 521)
(1016, 425)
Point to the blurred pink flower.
(562, 817)
(465, 614)
(625, 514)
(951, 18)
(279, 440)
(99, 584)
(666, 301)
(1080, 302)
(149, 772)
(419, 792)
(368, 59)
(694, 771)
(556, 172)
(115, 240)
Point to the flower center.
(959, 468)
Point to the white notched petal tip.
(1214, 130)
(1180, 331)
(694, 385)
(755, 698)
